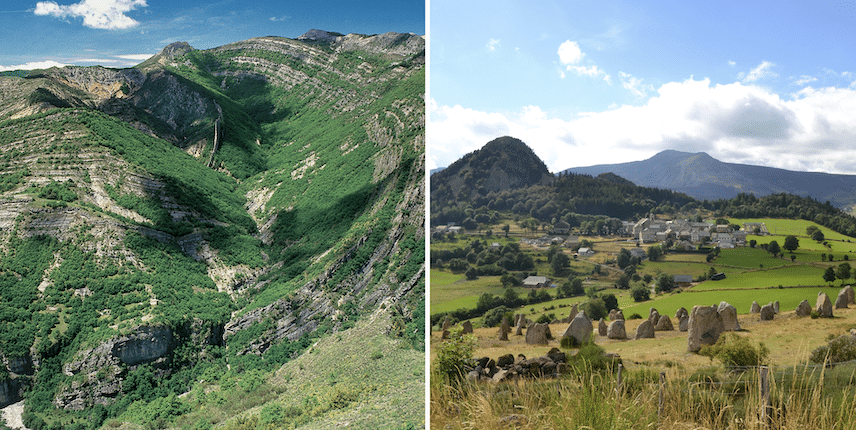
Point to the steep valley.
(206, 217)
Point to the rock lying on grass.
(506, 367)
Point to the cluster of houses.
(689, 234)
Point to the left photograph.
(213, 215)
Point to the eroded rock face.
(729, 316)
(146, 345)
(8, 392)
(705, 326)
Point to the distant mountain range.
(706, 178)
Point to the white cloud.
(760, 71)
(492, 44)
(277, 19)
(101, 14)
(33, 65)
(634, 85)
(732, 63)
(570, 53)
(805, 79)
(136, 57)
(736, 123)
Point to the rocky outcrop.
(9, 391)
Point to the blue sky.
(583, 83)
(121, 33)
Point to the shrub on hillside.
(734, 350)
(494, 316)
(842, 348)
(454, 354)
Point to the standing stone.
(705, 326)
(601, 327)
(653, 316)
(616, 330)
(776, 307)
(681, 312)
(645, 330)
(521, 322)
(619, 315)
(851, 296)
(574, 312)
(841, 300)
(612, 314)
(755, 309)
(580, 329)
(538, 334)
(467, 327)
(446, 334)
(504, 329)
(767, 312)
(823, 305)
(803, 309)
(664, 324)
(683, 323)
(729, 316)
(447, 323)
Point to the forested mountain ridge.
(204, 210)
(706, 178)
(581, 199)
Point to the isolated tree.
(665, 283)
(773, 248)
(843, 272)
(610, 301)
(506, 228)
(791, 243)
(752, 243)
(817, 235)
(829, 275)
(640, 293)
(623, 259)
(654, 253)
(560, 263)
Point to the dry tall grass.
(801, 398)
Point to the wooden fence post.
(766, 405)
(662, 396)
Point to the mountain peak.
(316, 35)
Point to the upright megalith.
(504, 329)
(601, 327)
(538, 334)
(842, 300)
(580, 329)
(767, 312)
(823, 305)
(653, 316)
(776, 307)
(467, 327)
(851, 296)
(574, 312)
(521, 322)
(645, 330)
(684, 323)
(616, 330)
(729, 316)
(681, 312)
(755, 309)
(803, 309)
(705, 326)
(664, 324)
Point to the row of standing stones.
(704, 325)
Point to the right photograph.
(642, 215)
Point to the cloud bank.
(811, 130)
(100, 14)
